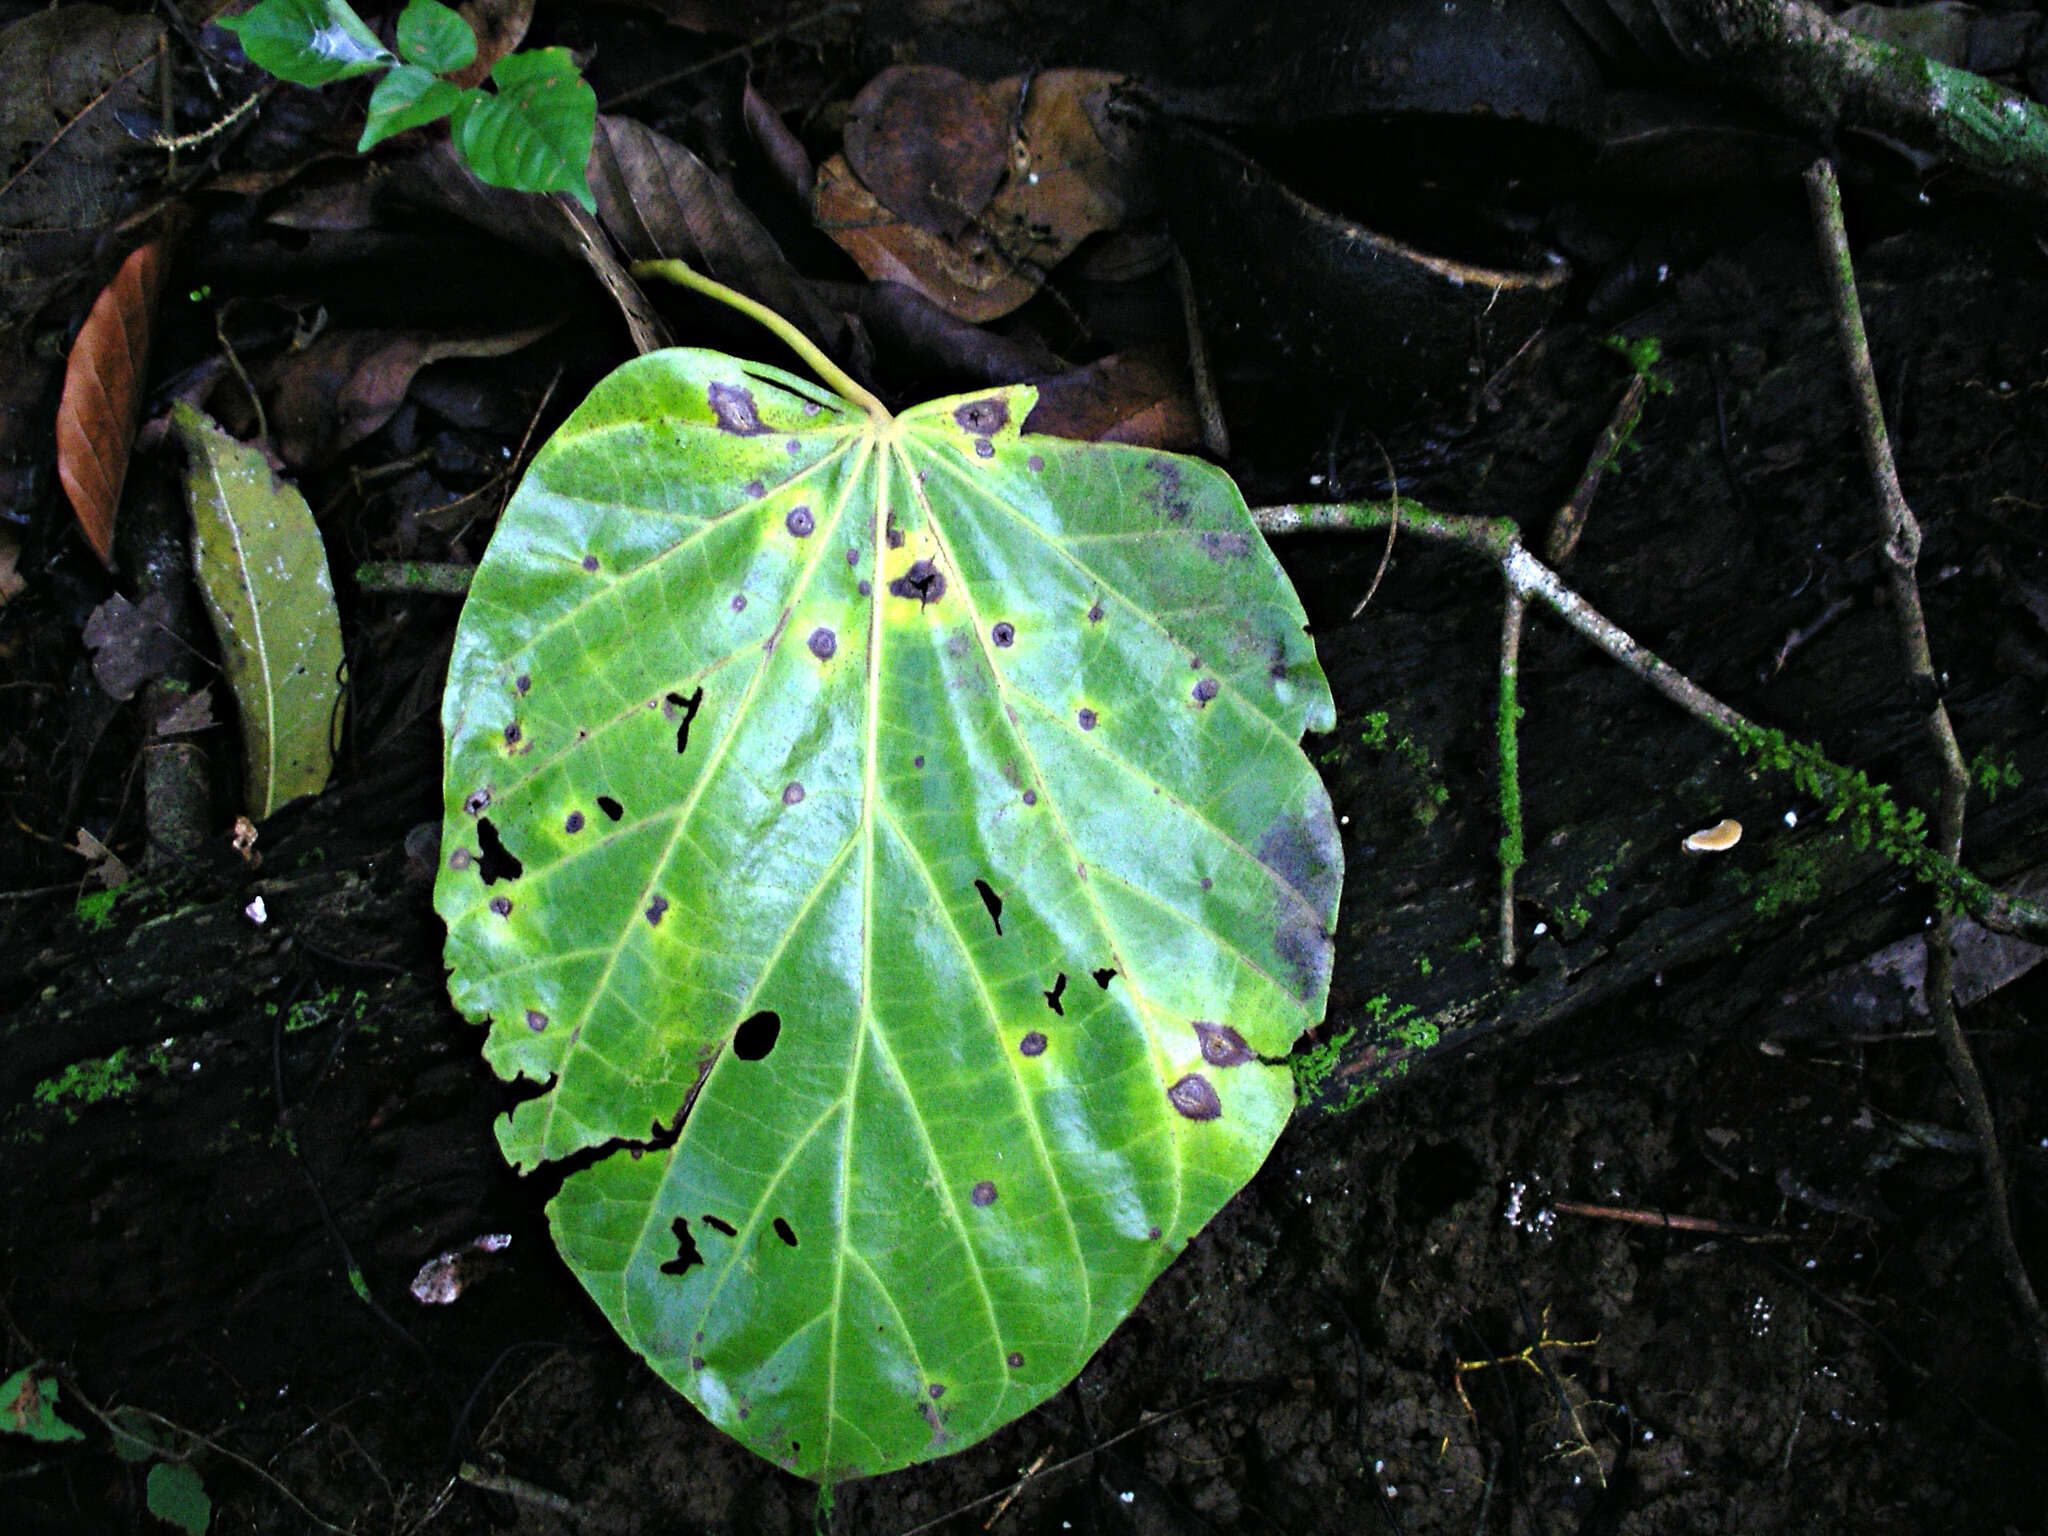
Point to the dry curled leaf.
(130, 644)
(103, 394)
(1065, 174)
(108, 870)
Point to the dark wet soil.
(1453, 1305)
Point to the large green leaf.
(909, 817)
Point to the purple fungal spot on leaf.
(1222, 1046)
(522, 682)
(895, 534)
(982, 418)
(1052, 998)
(655, 908)
(1032, 1044)
(800, 522)
(590, 562)
(922, 581)
(785, 1231)
(499, 862)
(1016, 1359)
(1103, 977)
(1153, 1234)
(1031, 797)
(460, 859)
(687, 1257)
(734, 407)
(793, 447)
(696, 1362)
(984, 449)
(573, 822)
(536, 1020)
(792, 793)
(739, 602)
(1034, 463)
(1095, 614)
(610, 807)
(1004, 635)
(476, 800)
(937, 1390)
(755, 490)
(756, 1036)
(1224, 546)
(1193, 1097)
(993, 902)
(983, 1194)
(866, 588)
(512, 734)
(502, 905)
(853, 557)
(1205, 690)
(823, 643)
(1207, 882)
(1087, 719)
(917, 762)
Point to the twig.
(1215, 430)
(1902, 551)
(1498, 540)
(1570, 521)
(1145, 1421)
(1666, 1220)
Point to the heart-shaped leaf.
(308, 42)
(534, 133)
(435, 37)
(888, 842)
(407, 97)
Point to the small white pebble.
(1540, 929)
(1128, 1497)
(1791, 818)
(256, 912)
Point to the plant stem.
(1510, 768)
(830, 373)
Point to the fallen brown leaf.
(130, 644)
(1143, 397)
(1065, 174)
(103, 394)
(11, 583)
(500, 26)
(108, 870)
(327, 397)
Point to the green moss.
(85, 1083)
(1423, 965)
(1313, 1066)
(1379, 735)
(1994, 775)
(95, 910)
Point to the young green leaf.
(895, 830)
(263, 572)
(176, 1494)
(533, 133)
(407, 97)
(28, 1406)
(308, 42)
(435, 37)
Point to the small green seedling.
(531, 134)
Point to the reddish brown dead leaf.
(331, 395)
(1142, 397)
(103, 394)
(500, 27)
(931, 144)
(1066, 174)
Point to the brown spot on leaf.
(590, 562)
(918, 761)
(1166, 496)
(823, 643)
(1004, 635)
(922, 581)
(734, 407)
(536, 1020)
(522, 682)
(1193, 1097)
(1224, 546)
(984, 449)
(573, 822)
(460, 859)
(800, 522)
(894, 534)
(502, 905)
(1032, 1044)
(983, 1194)
(1016, 1359)
(1087, 718)
(1034, 464)
(1031, 797)
(655, 908)
(755, 490)
(1095, 614)
(1205, 690)
(853, 557)
(739, 602)
(1307, 863)
(866, 589)
(936, 1390)
(476, 800)
(1222, 1046)
(512, 734)
(1207, 882)
(792, 793)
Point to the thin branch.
(1509, 757)
(1902, 551)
